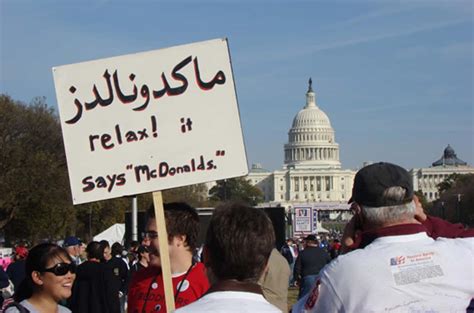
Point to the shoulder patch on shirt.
(313, 296)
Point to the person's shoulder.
(276, 256)
(89, 268)
(464, 243)
(198, 269)
(216, 304)
(198, 278)
(345, 261)
(63, 309)
(145, 274)
(23, 306)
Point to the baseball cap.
(71, 241)
(371, 182)
(21, 251)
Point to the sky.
(394, 77)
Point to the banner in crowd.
(303, 220)
(150, 121)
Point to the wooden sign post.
(164, 251)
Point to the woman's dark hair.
(140, 250)
(239, 241)
(116, 249)
(37, 260)
(95, 250)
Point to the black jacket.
(310, 261)
(116, 280)
(89, 292)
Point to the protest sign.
(150, 121)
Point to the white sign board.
(150, 121)
(303, 219)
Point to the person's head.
(71, 244)
(21, 253)
(95, 251)
(182, 227)
(82, 251)
(117, 249)
(143, 254)
(383, 195)
(239, 241)
(134, 246)
(311, 241)
(50, 273)
(107, 251)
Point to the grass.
(292, 296)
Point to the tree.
(456, 201)
(236, 189)
(93, 218)
(194, 195)
(34, 185)
(35, 198)
(424, 203)
(448, 182)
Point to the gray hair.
(390, 214)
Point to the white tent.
(320, 229)
(114, 233)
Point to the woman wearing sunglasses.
(50, 274)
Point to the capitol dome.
(311, 140)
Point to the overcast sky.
(394, 77)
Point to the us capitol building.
(312, 171)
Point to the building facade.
(312, 171)
(427, 179)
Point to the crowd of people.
(391, 257)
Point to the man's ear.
(36, 277)
(179, 240)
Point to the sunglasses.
(61, 269)
(150, 234)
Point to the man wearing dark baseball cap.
(398, 267)
(371, 182)
(308, 264)
(71, 244)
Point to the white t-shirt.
(32, 309)
(230, 301)
(409, 273)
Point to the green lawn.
(292, 296)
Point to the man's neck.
(181, 262)
(235, 285)
(371, 227)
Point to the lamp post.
(290, 219)
(458, 206)
(90, 223)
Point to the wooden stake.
(164, 253)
